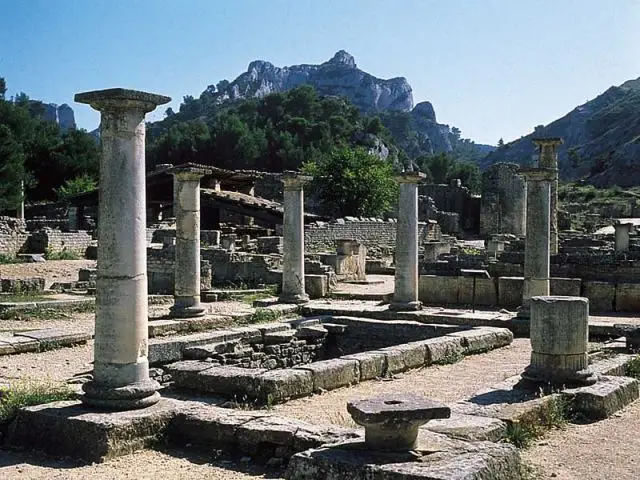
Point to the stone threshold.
(41, 340)
(279, 385)
(7, 307)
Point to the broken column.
(559, 340)
(293, 239)
(548, 158)
(536, 246)
(186, 207)
(622, 235)
(405, 292)
(121, 368)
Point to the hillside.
(601, 140)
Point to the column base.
(558, 379)
(129, 397)
(405, 306)
(297, 298)
(187, 307)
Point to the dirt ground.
(602, 450)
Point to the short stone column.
(536, 245)
(121, 368)
(622, 236)
(559, 339)
(72, 218)
(548, 158)
(405, 292)
(293, 239)
(186, 207)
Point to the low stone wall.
(161, 275)
(55, 241)
(372, 233)
(506, 292)
(13, 236)
(22, 285)
(240, 267)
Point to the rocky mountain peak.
(426, 110)
(342, 57)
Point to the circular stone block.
(391, 421)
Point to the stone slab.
(601, 295)
(486, 291)
(442, 349)
(483, 339)
(567, 287)
(70, 429)
(404, 357)
(242, 384)
(510, 291)
(372, 364)
(331, 374)
(49, 337)
(605, 397)
(627, 297)
(469, 427)
(278, 386)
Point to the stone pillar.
(293, 239)
(121, 368)
(21, 206)
(559, 338)
(622, 236)
(186, 207)
(536, 246)
(72, 218)
(548, 158)
(405, 292)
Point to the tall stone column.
(622, 236)
(121, 368)
(548, 158)
(186, 207)
(405, 292)
(536, 246)
(20, 210)
(293, 239)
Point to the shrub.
(62, 255)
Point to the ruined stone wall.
(13, 236)
(321, 236)
(54, 241)
(504, 200)
(161, 275)
(455, 198)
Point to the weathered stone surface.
(313, 436)
(212, 426)
(614, 366)
(235, 382)
(438, 290)
(69, 429)
(478, 339)
(567, 287)
(204, 351)
(268, 429)
(311, 332)
(275, 338)
(627, 297)
(442, 349)
(404, 357)
(330, 374)
(469, 427)
(605, 397)
(371, 364)
(49, 337)
(510, 291)
(601, 295)
(281, 385)
(185, 373)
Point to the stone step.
(40, 340)
(605, 397)
(205, 351)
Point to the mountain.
(338, 76)
(415, 129)
(601, 140)
(62, 115)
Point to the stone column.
(548, 158)
(72, 218)
(121, 368)
(20, 211)
(293, 239)
(405, 292)
(622, 235)
(559, 338)
(536, 246)
(186, 207)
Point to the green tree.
(81, 184)
(11, 170)
(352, 182)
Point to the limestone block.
(438, 290)
(600, 294)
(486, 291)
(469, 427)
(441, 349)
(559, 325)
(316, 286)
(569, 287)
(210, 425)
(331, 374)
(627, 297)
(476, 340)
(234, 382)
(404, 357)
(280, 385)
(372, 364)
(605, 397)
(510, 291)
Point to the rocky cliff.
(338, 76)
(62, 115)
(601, 140)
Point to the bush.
(27, 393)
(62, 255)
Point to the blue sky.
(493, 68)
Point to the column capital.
(294, 180)
(189, 171)
(121, 99)
(410, 177)
(538, 174)
(547, 141)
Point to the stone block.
(627, 297)
(605, 397)
(22, 285)
(316, 285)
(567, 287)
(266, 430)
(478, 340)
(234, 382)
(281, 385)
(213, 426)
(73, 430)
(442, 349)
(54, 337)
(601, 295)
(438, 290)
(486, 291)
(469, 427)
(404, 357)
(372, 364)
(331, 374)
(510, 291)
